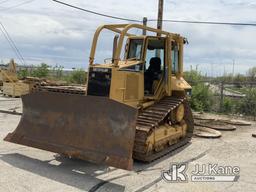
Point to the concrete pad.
(26, 169)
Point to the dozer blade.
(96, 129)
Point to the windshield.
(155, 48)
(135, 49)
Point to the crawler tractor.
(134, 106)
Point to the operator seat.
(152, 73)
(154, 65)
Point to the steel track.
(150, 119)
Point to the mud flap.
(96, 129)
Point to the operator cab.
(153, 60)
(154, 64)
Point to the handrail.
(122, 29)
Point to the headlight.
(188, 92)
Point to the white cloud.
(46, 31)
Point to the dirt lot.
(27, 169)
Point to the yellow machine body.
(134, 107)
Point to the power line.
(164, 20)
(16, 48)
(206, 22)
(18, 5)
(97, 13)
(10, 40)
(12, 44)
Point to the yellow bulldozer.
(9, 74)
(133, 108)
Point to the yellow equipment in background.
(11, 85)
(9, 74)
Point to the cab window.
(175, 57)
(135, 49)
(155, 49)
(154, 65)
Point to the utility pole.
(233, 70)
(160, 15)
(211, 69)
(197, 67)
(221, 96)
(160, 21)
(145, 21)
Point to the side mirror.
(185, 41)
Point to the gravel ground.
(27, 169)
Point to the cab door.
(127, 80)
(155, 66)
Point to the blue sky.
(45, 31)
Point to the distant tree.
(252, 74)
(248, 104)
(23, 73)
(193, 77)
(201, 98)
(41, 71)
(238, 79)
(228, 105)
(58, 71)
(78, 76)
(227, 78)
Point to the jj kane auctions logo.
(201, 173)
